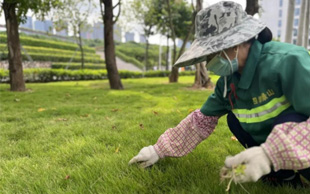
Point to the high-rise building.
(44, 26)
(129, 36)
(87, 35)
(142, 39)
(117, 33)
(275, 16)
(63, 32)
(28, 24)
(98, 31)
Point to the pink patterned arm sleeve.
(183, 138)
(288, 146)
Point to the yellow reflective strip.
(262, 108)
(266, 116)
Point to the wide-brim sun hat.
(218, 27)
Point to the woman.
(263, 89)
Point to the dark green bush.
(74, 66)
(50, 75)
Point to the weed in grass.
(232, 174)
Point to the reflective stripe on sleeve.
(264, 112)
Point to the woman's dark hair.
(264, 36)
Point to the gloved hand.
(147, 157)
(256, 161)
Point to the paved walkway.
(121, 65)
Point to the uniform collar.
(250, 65)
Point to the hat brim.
(201, 48)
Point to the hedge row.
(51, 51)
(137, 51)
(75, 66)
(29, 41)
(49, 75)
(56, 57)
(129, 59)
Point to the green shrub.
(129, 59)
(52, 51)
(137, 51)
(156, 73)
(59, 57)
(49, 75)
(29, 41)
(74, 66)
(187, 73)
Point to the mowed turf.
(77, 137)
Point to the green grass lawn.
(77, 137)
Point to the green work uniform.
(274, 81)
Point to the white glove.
(147, 156)
(256, 161)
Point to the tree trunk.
(202, 79)
(301, 25)
(17, 82)
(252, 7)
(81, 47)
(167, 53)
(146, 52)
(290, 19)
(147, 33)
(174, 75)
(306, 35)
(109, 49)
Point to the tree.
(178, 21)
(289, 22)
(75, 14)
(173, 77)
(202, 78)
(15, 12)
(145, 12)
(109, 48)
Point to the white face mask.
(223, 67)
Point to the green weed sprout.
(231, 174)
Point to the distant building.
(39, 26)
(117, 33)
(98, 31)
(62, 32)
(142, 39)
(87, 35)
(275, 16)
(28, 24)
(129, 36)
(44, 26)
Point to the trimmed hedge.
(29, 41)
(49, 75)
(137, 51)
(75, 66)
(128, 59)
(52, 51)
(56, 57)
